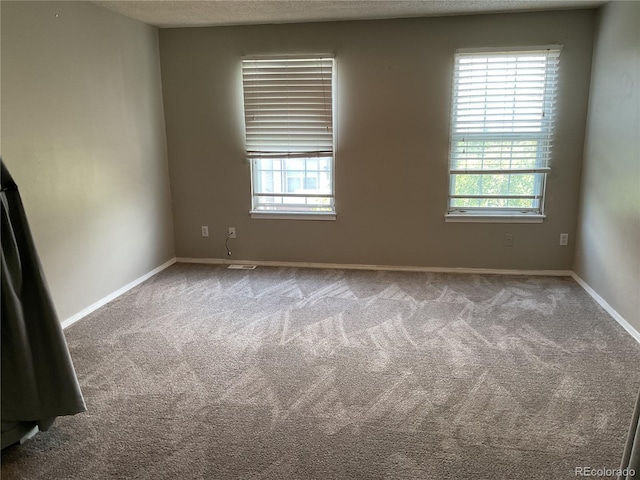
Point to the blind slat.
(531, 197)
(289, 154)
(499, 171)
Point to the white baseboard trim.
(103, 301)
(392, 268)
(608, 308)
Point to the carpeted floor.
(208, 373)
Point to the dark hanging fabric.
(38, 380)
(631, 458)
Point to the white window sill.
(484, 218)
(292, 215)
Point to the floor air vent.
(241, 267)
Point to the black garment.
(38, 379)
(631, 459)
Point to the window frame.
(297, 211)
(509, 140)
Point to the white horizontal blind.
(288, 103)
(288, 107)
(502, 129)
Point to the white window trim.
(301, 215)
(486, 215)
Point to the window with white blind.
(502, 126)
(288, 106)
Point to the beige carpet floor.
(207, 373)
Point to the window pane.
(495, 154)
(293, 184)
(293, 204)
(265, 181)
(310, 183)
(294, 164)
(310, 190)
(288, 106)
(498, 184)
(292, 180)
(502, 120)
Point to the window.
(288, 106)
(502, 122)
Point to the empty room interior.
(320, 239)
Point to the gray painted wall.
(392, 128)
(608, 248)
(83, 135)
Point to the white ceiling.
(189, 13)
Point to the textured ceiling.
(188, 13)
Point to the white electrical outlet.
(508, 239)
(205, 231)
(564, 239)
(232, 232)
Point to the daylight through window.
(502, 131)
(288, 105)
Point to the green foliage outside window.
(491, 155)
